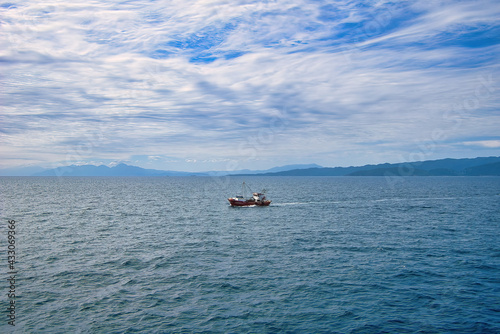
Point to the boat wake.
(291, 203)
(243, 206)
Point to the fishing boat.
(257, 199)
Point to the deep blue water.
(330, 255)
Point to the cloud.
(484, 143)
(281, 81)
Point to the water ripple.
(115, 255)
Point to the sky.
(227, 85)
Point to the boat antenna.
(244, 188)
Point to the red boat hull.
(235, 202)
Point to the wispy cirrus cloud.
(248, 82)
(484, 143)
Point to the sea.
(329, 255)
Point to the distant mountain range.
(443, 167)
(271, 170)
(127, 170)
(118, 170)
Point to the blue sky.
(224, 85)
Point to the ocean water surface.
(330, 255)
